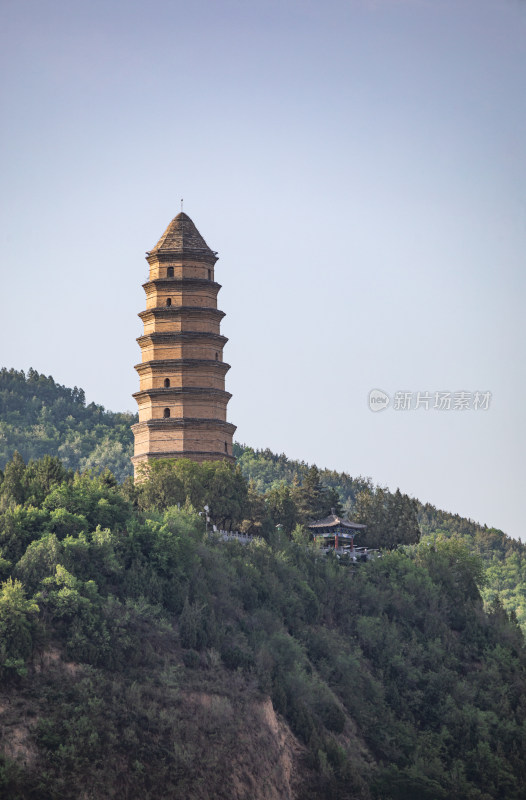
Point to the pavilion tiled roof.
(334, 521)
(181, 235)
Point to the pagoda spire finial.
(182, 235)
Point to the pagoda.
(182, 399)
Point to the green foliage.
(391, 519)
(216, 484)
(147, 609)
(40, 560)
(17, 625)
(503, 558)
(297, 493)
(92, 498)
(313, 499)
(42, 476)
(192, 628)
(281, 507)
(19, 526)
(266, 469)
(13, 482)
(40, 417)
(402, 677)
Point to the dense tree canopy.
(403, 677)
(117, 609)
(40, 417)
(216, 485)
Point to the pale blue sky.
(361, 168)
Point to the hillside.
(503, 558)
(39, 417)
(140, 658)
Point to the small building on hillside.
(337, 533)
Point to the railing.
(229, 536)
(355, 554)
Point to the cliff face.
(261, 757)
(227, 743)
(119, 739)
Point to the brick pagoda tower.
(182, 399)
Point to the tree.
(108, 454)
(39, 561)
(370, 509)
(282, 508)
(402, 513)
(256, 519)
(18, 527)
(17, 625)
(94, 497)
(217, 484)
(13, 492)
(391, 519)
(450, 563)
(311, 497)
(43, 475)
(226, 491)
(160, 485)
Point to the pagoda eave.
(167, 312)
(179, 283)
(208, 257)
(174, 336)
(185, 422)
(160, 366)
(163, 391)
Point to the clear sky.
(360, 166)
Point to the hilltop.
(40, 417)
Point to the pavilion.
(336, 532)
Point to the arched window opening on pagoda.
(170, 272)
(217, 356)
(226, 447)
(209, 274)
(166, 413)
(166, 383)
(168, 301)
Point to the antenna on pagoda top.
(181, 203)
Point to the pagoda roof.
(334, 521)
(181, 236)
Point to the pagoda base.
(195, 455)
(197, 439)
